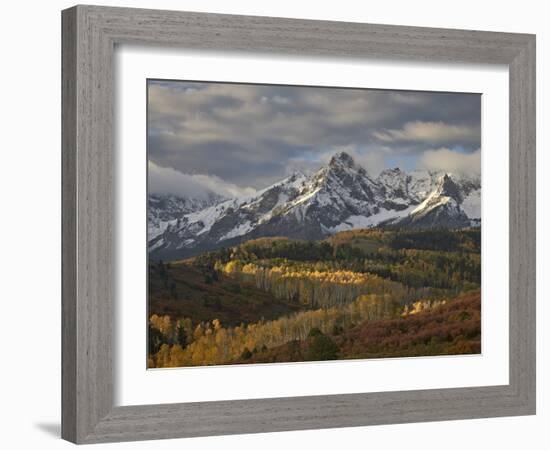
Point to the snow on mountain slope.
(396, 185)
(422, 183)
(382, 216)
(440, 209)
(339, 196)
(164, 210)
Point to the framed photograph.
(278, 224)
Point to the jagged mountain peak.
(165, 209)
(343, 168)
(339, 196)
(395, 184)
(448, 188)
(343, 162)
(342, 159)
(392, 176)
(440, 209)
(394, 171)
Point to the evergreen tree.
(321, 348)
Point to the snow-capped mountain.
(396, 187)
(440, 209)
(340, 196)
(164, 210)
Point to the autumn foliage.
(360, 294)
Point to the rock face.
(164, 210)
(340, 196)
(441, 209)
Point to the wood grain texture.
(88, 210)
(89, 36)
(522, 224)
(68, 226)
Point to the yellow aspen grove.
(219, 345)
(312, 287)
(360, 293)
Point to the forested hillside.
(358, 294)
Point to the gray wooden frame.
(90, 34)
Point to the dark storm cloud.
(251, 135)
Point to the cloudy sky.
(234, 138)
